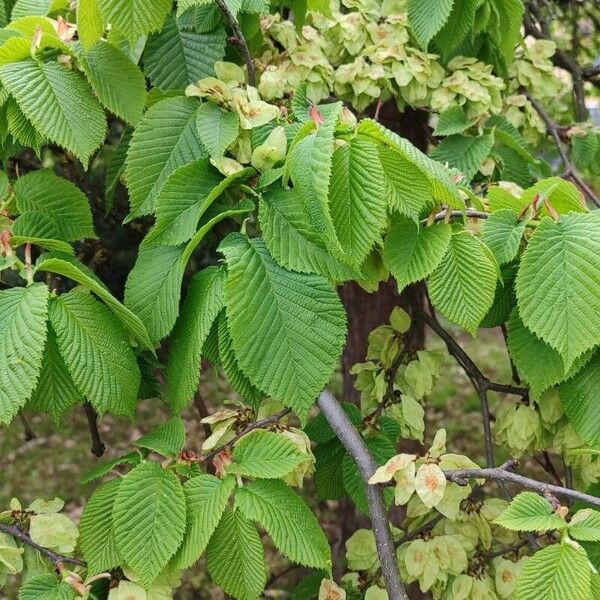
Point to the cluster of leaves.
(315, 197)
(160, 518)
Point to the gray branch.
(55, 558)
(505, 474)
(357, 448)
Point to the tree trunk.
(367, 311)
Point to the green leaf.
(458, 27)
(443, 188)
(67, 266)
(103, 469)
(412, 252)
(357, 201)
(585, 525)
(503, 232)
(292, 240)
(555, 573)
(585, 149)
(94, 347)
(453, 120)
(134, 18)
(206, 498)
(538, 363)
(56, 392)
(266, 454)
(153, 288)
(118, 82)
(300, 314)
(408, 188)
(21, 128)
(426, 18)
(184, 5)
(149, 519)
(202, 304)
(579, 396)
(235, 557)
(505, 27)
(172, 122)
(185, 197)
(217, 128)
(97, 539)
(530, 512)
(289, 522)
(46, 587)
(382, 449)
(309, 164)
(61, 203)
(463, 152)
(25, 8)
(462, 287)
(563, 195)
(175, 58)
(214, 215)
(90, 25)
(23, 315)
(557, 284)
(167, 439)
(16, 241)
(329, 481)
(58, 103)
(320, 431)
(228, 361)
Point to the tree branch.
(56, 559)
(505, 474)
(561, 59)
(480, 382)
(466, 362)
(457, 214)
(98, 447)
(570, 171)
(357, 448)
(417, 532)
(29, 433)
(241, 41)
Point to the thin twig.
(513, 368)
(356, 447)
(54, 557)
(417, 532)
(275, 577)
(202, 411)
(457, 214)
(29, 433)
(505, 474)
(98, 447)
(570, 171)
(262, 424)
(506, 550)
(241, 40)
(561, 58)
